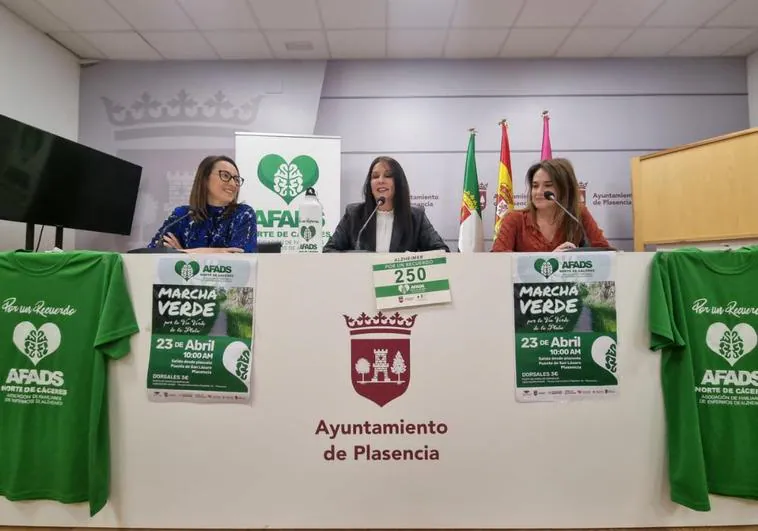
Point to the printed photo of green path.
(235, 315)
(598, 307)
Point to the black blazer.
(422, 236)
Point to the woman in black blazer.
(397, 226)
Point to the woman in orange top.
(542, 226)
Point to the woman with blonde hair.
(543, 226)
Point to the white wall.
(603, 113)
(197, 106)
(752, 88)
(40, 86)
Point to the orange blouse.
(519, 233)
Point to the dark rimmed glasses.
(225, 176)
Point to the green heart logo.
(287, 179)
(307, 232)
(546, 267)
(186, 270)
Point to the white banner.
(278, 169)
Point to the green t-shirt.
(703, 315)
(62, 316)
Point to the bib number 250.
(410, 275)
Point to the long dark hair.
(561, 172)
(198, 201)
(401, 203)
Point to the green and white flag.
(565, 322)
(470, 233)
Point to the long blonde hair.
(561, 172)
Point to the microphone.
(173, 223)
(379, 202)
(550, 196)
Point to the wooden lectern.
(706, 192)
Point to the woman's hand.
(169, 240)
(213, 250)
(565, 246)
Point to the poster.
(565, 323)
(201, 346)
(278, 169)
(411, 280)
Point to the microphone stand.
(550, 196)
(172, 224)
(379, 202)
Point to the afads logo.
(36, 343)
(308, 242)
(307, 232)
(731, 343)
(207, 272)
(287, 179)
(548, 267)
(573, 265)
(187, 270)
(194, 271)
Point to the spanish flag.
(504, 198)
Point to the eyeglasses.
(225, 176)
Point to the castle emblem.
(482, 195)
(380, 355)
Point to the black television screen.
(48, 180)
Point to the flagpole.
(547, 150)
(470, 235)
(504, 202)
